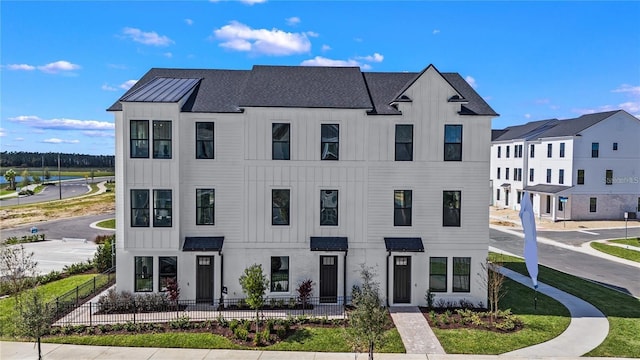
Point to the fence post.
(90, 315)
(135, 310)
(77, 294)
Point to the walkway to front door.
(417, 336)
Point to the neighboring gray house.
(591, 163)
(309, 171)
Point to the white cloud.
(128, 84)
(626, 88)
(323, 61)
(312, 34)
(188, 22)
(2, 132)
(292, 21)
(94, 133)
(251, 2)
(471, 81)
(60, 141)
(240, 37)
(168, 55)
(326, 48)
(146, 38)
(527, 116)
(24, 67)
(435, 31)
(62, 124)
(107, 87)
(50, 68)
(372, 58)
(632, 107)
(19, 139)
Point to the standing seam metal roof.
(162, 89)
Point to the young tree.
(103, 258)
(17, 267)
(254, 283)
(493, 280)
(10, 176)
(370, 317)
(47, 174)
(305, 289)
(34, 316)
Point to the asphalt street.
(75, 228)
(70, 188)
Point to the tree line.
(50, 159)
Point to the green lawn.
(108, 224)
(630, 241)
(633, 255)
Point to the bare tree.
(493, 280)
(17, 267)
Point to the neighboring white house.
(308, 171)
(587, 168)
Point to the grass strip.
(630, 241)
(107, 224)
(617, 251)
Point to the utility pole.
(59, 180)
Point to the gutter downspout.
(221, 304)
(344, 278)
(388, 256)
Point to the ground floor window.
(593, 204)
(168, 271)
(279, 274)
(461, 274)
(438, 274)
(143, 273)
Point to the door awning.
(203, 243)
(410, 244)
(328, 243)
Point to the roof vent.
(458, 98)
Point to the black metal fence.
(97, 313)
(73, 299)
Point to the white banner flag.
(530, 237)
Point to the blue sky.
(63, 63)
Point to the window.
(595, 149)
(204, 140)
(561, 150)
(139, 138)
(499, 151)
(518, 196)
(593, 204)
(205, 206)
(533, 151)
(609, 177)
(519, 172)
(280, 207)
(451, 208)
(438, 274)
(453, 143)
(498, 194)
(461, 272)
(404, 142)
(507, 151)
(168, 271)
(548, 176)
(161, 139)
(531, 175)
(139, 208)
(498, 174)
(162, 208)
(280, 138)
(615, 146)
(549, 150)
(580, 177)
(561, 176)
(638, 204)
(560, 205)
(506, 173)
(402, 208)
(279, 274)
(330, 141)
(518, 151)
(329, 207)
(143, 273)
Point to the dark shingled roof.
(228, 91)
(326, 243)
(524, 131)
(547, 189)
(572, 127)
(404, 244)
(208, 243)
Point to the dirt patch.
(502, 223)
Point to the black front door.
(328, 279)
(204, 279)
(402, 279)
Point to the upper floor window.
(499, 151)
(279, 274)
(548, 176)
(549, 150)
(280, 141)
(609, 177)
(595, 149)
(615, 146)
(533, 151)
(402, 208)
(404, 142)
(517, 176)
(453, 143)
(280, 207)
(161, 139)
(498, 174)
(508, 151)
(451, 208)
(580, 177)
(139, 208)
(204, 140)
(205, 206)
(329, 207)
(561, 150)
(506, 173)
(330, 142)
(518, 151)
(162, 208)
(531, 174)
(139, 135)
(561, 176)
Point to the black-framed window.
(615, 146)
(497, 194)
(548, 176)
(161, 139)
(498, 173)
(560, 206)
(561, 176)
(281, 144)
(531, 175)
(518, 151)
(205, 206)
(499, 151)
(453, 143)
(533, 151)
(593, 204)
(561, 150)
(518, 196)
(638, 204)
(139, 208)
(139, 135)
(549, 150)
(168, 271)
(330, 142)
(329, 207)
(404, 142)
(280, 206)
(205, 140)
(402, 200)
(506, 173)
(580, 177)
(595, 149)
(518, 174)
(279, 274)
(451, 203)
(143, 273)
(438, 274)
(608, 177)
(461, 274)
(162, 205)
(508, 151)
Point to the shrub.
(266, 335)
(183, 322)
(305, 289)
(241, 333)
(233, 325)
(103, 258)
(257, 339)
(429, 297)
(78, 268)
(281, 332)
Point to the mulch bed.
(451, 319)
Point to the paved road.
(76, 227)
(613, 274)
(70, 188)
